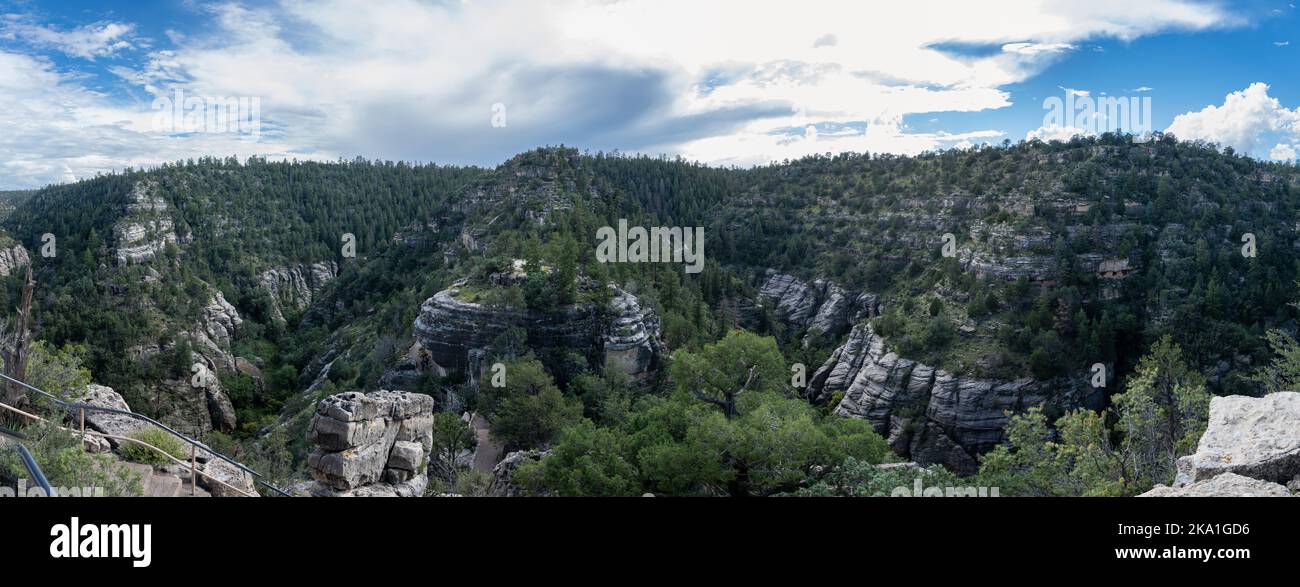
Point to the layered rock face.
(931, 415)
(294, 288)
(371, 445)
(1250, 446)
(455, 332)
(146, 229)
(12, 259)
(822, 307)
(632, 341)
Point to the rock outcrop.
(631, 343)
(371, 445)
(12, 259)
(1254, 437)
(106, 422)
(822, 308)
(503, 475)
(294, 288)
(930, 415)
(196, 404)
(455, 332)
(147, 227)
(1225, 485)
(407, 373)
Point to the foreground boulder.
(230, 477)
(105, 422)
(1225, 485)
(371, 445)
(1253, 437)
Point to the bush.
(66, 464)
(156, 437)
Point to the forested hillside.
(1002, 274)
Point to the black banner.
(1173, 535)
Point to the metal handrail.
(257, 477)
(192, 466)
(35, 470)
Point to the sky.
(93, 87)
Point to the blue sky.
(87, 84)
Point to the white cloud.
(87, 42)
(1245, 118)
(1056, 133)
(1283, 152)
(709, 80)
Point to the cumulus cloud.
(1242, 122)
(715, 81)
(1283, 152)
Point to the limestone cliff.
(146, 228)
(13, 258)
(293, 288)
(822, 308)
(930, 415)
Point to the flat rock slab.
(1225, 485)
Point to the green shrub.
(66, 464)
(156, 437)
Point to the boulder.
(503, 473)
(1249, 436)
(229, 474)
(105, 422)
(1225, 485)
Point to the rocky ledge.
(1250, 446)
(930, 415)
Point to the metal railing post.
(83, 428)
(194, 470)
